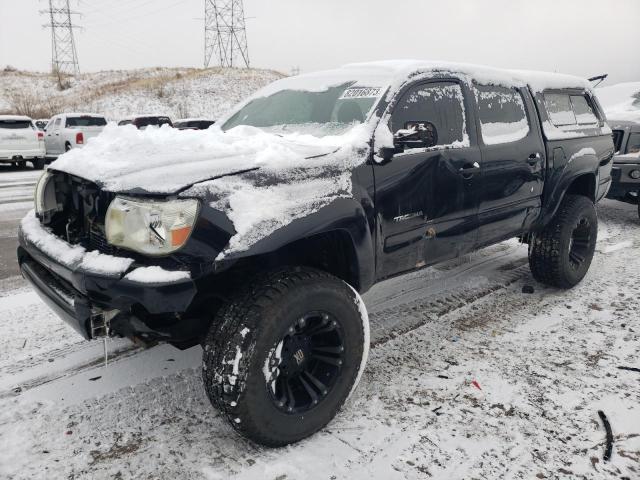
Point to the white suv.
(20, 141)
(71, 130)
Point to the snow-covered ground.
(177, 92)
(468, 377)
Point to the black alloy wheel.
(306, 363)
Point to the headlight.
(45, 195)
(151, 227)
(635, 174)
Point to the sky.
(580, 37)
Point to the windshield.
(15, 124)
(329, 112)
(85, 122)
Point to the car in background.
(625, 173)
(71, 130)
(20, 141)
(193, 124)
(143, 121)
(41, 123)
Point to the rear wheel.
(561, 254)
(67, 147)
(281, 358)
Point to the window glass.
(15, 124)
(617, 139)
(583, 111)
(440, 106)
(559, 109)
(328, 111)
(633, 145)
(503, 117)
(85, 121)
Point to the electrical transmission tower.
(225, 35)
(64, 58)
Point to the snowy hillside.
(177, 92)
(621, 101)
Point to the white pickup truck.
(20, 141)
(71, 130)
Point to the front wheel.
(561, 254)
(281, 359)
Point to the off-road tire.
(550, 259)
(38, 163)
(241, 341)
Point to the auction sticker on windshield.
(360, 93)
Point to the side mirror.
(387, 153)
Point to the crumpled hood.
(166, 160)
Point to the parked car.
(193, 124)
(20, 141)
(259, 248)
(143, 121)
(41, 123)
(71, 130)
(625, 173)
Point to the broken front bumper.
(75, 294)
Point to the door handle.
(469, 169)
(534, 158)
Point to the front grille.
(98, 241)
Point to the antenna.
(225, 35)
(64, 58)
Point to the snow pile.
(621, 101)
(156, 275)
(165, 160)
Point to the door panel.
(513, 162)
(425, 200)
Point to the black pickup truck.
(256, 238)
(625, 172)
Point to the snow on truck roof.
(393, 73)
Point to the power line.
(64, 57)
(225, 34)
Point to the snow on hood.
(291, 176)
(166, 160)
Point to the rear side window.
(434, 107)
(85, 122)
(16, 124)
(503, 117)
(583, 111)
(570, 110)
(559, 109)
(633, 145)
